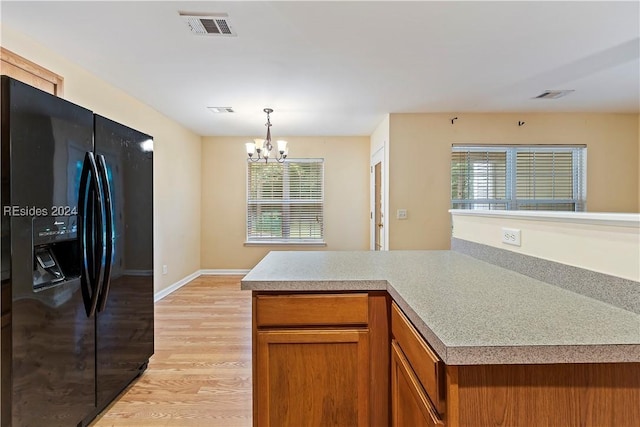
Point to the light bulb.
(282, 146)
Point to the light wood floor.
(200, 374)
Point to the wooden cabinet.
(320, 360)
(315, 377)
(426, 364)
(355, 359)
(410, 405)
(22, 69)
(312, 310)
(427, 392)
(552, 395)
(417, 377)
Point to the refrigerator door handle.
(104, 178)
(82, 220)
(89, 176)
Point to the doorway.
(377, 201)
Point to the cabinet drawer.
(425, 363)
(312, 310)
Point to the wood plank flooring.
(200, 374)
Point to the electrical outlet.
(511, 236)
(401, 214)
(164, 269)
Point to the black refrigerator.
(77, 258)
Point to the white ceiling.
(336, 68)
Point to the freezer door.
(125, 308)
(44, 140)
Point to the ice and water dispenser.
(56, 251)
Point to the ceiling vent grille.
(212, 24)
(553, 94)
(218, 110)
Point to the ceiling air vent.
(211, 24)
(218, 110)
(553, 94)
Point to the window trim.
(267, 241)
(285, 243)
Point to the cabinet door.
(424, 363)
(19, 68)
(312, 378)
(409, 404)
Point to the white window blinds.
(285, 201)
(479, 179)
(549, 179)
(518, 177)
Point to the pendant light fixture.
(263, 147)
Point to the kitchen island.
(442, 338)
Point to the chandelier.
(263, 147)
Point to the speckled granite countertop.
(471, 312)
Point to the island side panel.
(380, 342)
(254, 358)
(559, 395)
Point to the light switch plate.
(401, 214)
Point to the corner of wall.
(380, 135)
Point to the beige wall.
(346, 195)
(176, 158)
(380, 136)
(417, 171)
(419, 161)
(606, 243)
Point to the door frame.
(378, 157)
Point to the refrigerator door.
(44, 140)
(125, 306)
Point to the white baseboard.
(180, 283)
(224, 272)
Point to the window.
(285, 201)
(518, 177)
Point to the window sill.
(282, 243)
(597, 218)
